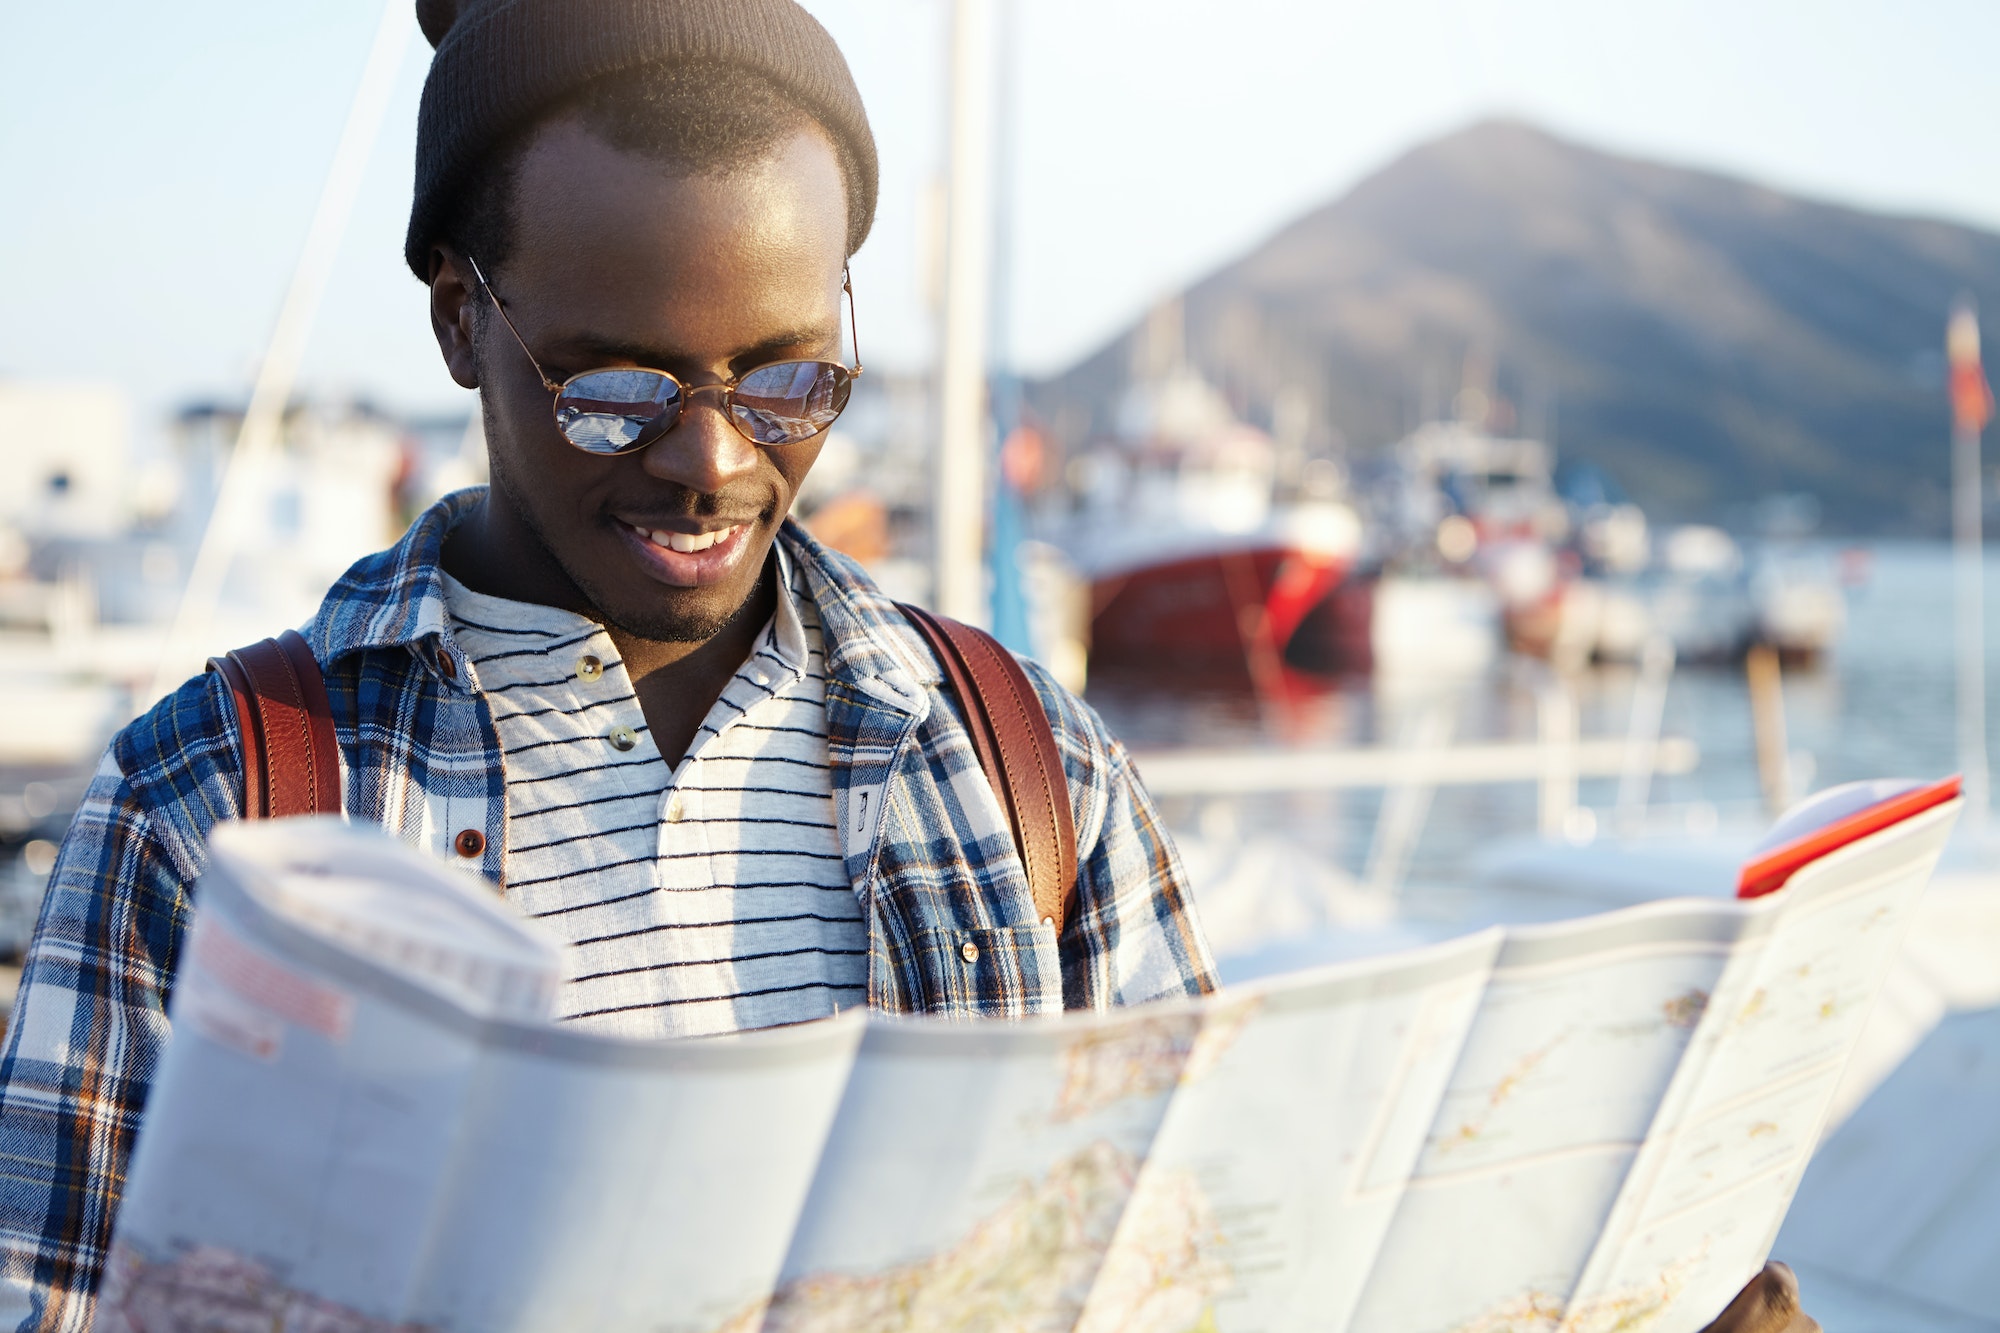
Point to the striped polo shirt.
(709, 897)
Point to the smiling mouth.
(687, 543)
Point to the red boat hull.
(1219, 608)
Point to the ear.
(453, 298)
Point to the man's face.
(618, 262)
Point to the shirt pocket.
(991, 972)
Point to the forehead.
(633, 241)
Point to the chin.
(623, 586)
(646, 609)
(663, 623)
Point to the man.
(704, 750)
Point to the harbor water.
(1882, 704)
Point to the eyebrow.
(579, 347)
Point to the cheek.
(520, 422)
(793, 463)
(524, 415)
(507, 383)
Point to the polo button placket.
(683, 835)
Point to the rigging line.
(257, 438)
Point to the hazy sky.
(161, 162)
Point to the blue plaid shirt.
(420, 756)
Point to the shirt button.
(623, 738)
(446, 667)
(969, 952)
(589, 669)
(469, 843)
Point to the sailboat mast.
(1971, 407)
(959, 498)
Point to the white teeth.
(688, 543)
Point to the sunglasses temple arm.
(494, 297)
(853, 325)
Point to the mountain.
(1706, 341)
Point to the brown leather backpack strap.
(248, 728)
(1018, 751)
(291, 756)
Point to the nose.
(703, 451)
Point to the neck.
(677, 683)
(493, 551)
(719, 654)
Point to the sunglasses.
(622, 409)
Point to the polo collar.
(395, 599)
(870, 645)
(788, 630)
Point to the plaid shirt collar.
(395, 599)
(926, 841)
(953, 928)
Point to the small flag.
(1971, 397)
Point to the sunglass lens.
(611, 411)
(789, 401)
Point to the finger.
(1768, 1303)
(1789, 1281)
(1785, 1278)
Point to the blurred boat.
(1698, 596)
(1401, 625)
(1197, 552)
(1577, 574)
(1713, 603)
(1460, 561)
(1197, 596)
(1800, 608)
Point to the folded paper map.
(367, 1120)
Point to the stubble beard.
(664, 623)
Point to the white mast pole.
(959, 500)
(187, 644)
(1962, 345)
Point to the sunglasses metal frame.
(664, 423)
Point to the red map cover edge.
(1768, 873)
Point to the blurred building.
(96, 543)
(65, 462)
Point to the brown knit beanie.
(501, 63)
